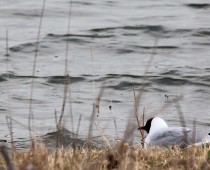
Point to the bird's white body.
(162, 135)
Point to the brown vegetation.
(38, 157)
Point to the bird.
(161, 135)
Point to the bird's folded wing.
(180, 136)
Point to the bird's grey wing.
(192, 136)
(171, 137)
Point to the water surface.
(110, 46)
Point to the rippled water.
(110, 46)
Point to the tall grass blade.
(30, 118)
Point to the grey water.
(111, 44)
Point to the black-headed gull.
(159, 134)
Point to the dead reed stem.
(182, 121)
(9, 121)
(30, 118)
(104, 138)
(59, 124)
(93, 115)
(141, 91)
(165, 105)
(6, 157)
(66, 82)
(7, 44)
(68, 33)
(136, 112)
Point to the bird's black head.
(148, 125)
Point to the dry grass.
(39, 158)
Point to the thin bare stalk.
(8, 118)
(180, 113)
(127, 134)
(59, 123)
(75, 136)
(165, 105)
(64, 100)
(6, 157)
(143, 118)
(56, 117)
(136, 112)
(66, 63)
(7, 44)
(10, 126)
(57, 140)
(98, 106)
(114, 120)
(194, 130)
(141, 91)
(104, 138)
(68, 33)
(78, 125)
(182, 120)
(93, 116)
(91, 125)
(30, 119)
(71, 112)
(66, 84)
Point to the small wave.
(71, 38)
(170, 81)
(62, 79)
(2, 79)
(125, 51)
(206, 78)
(202, 91)
(184, 80)
(3, 109)
(171, 72)
(104, 29)
(161, 90)
(15, 76)
(198, 6)
(118, 76)
(77, 41)
(132, 76)
(22, 47)
(202, 33)
(170, 78)
(79, 35)
(158, 47)
(201, 43)
(116, 101)
(21, 98)
(82, 3)
(27, 14)
(10, 75)
(183, 30)
(153, 28)
(156, 28)
(123, 75)
(65, 138)
(107, 77)
(125, 85)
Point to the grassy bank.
(124, 157)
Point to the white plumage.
(159, 134)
